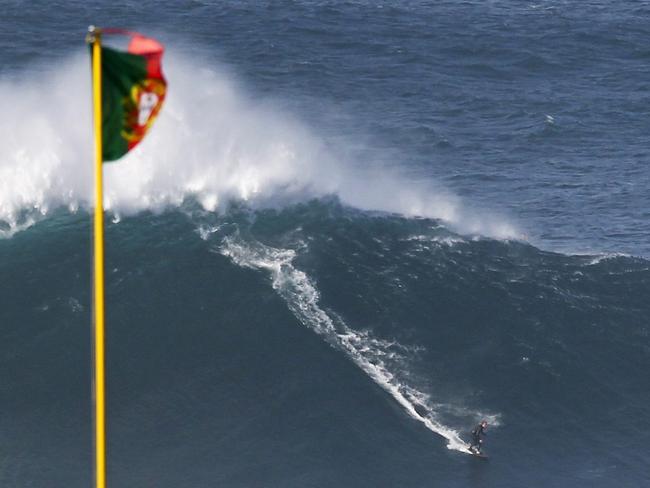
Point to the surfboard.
(477, 454)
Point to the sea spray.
(214, 142)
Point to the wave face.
(355, 230)
(321, 345)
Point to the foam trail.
(212, 142)
(378, 358)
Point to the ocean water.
(356, 229)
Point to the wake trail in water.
(383, 361)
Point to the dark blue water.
(357, 229)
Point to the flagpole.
(94, 37)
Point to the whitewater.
(233, 148)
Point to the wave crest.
(212, 142)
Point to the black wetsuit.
(477, 434)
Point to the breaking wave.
(213, 142)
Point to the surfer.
(477, 437)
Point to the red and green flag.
(133, 90)
(128, 90)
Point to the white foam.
(382, 360)
(605, 257)
(212, 141)
(448, 241)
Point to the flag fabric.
(133, 90)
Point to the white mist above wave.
(383, 361)
(212, 142)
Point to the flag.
(133, 90)
(128, 91)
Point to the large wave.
(213, 142)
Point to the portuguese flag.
(133, 90)
(128, 89)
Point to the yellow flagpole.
(100, 375)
